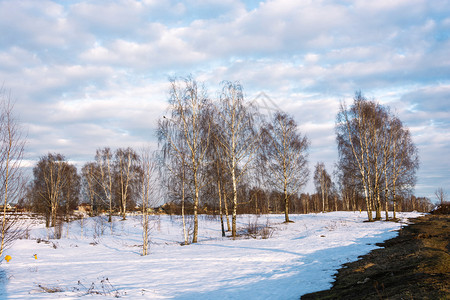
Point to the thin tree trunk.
(286, 207)
(5, 202)
(227, 215)
(194, 238)
(186, 242)
(233, 177)
(220, 207)
(394, 201)
(368, 206)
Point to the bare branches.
(373, 143)
(185, 137)
(103, 159)
(148, 191)
(236, 134)
(128, 170)
(12, 143)
(56, 185)
(323, 183)
(285, 152)
(441, 195)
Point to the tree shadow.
(3, 282)
(308, 273)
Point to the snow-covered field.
(95, 260)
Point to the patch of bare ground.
(413, 265)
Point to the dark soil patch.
(413, 265)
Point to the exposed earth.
(413, 265)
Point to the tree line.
(223, 156)
(376, 154)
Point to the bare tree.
(71, 191)
(55, 188)
(148, 189)
(388, 158)
(189, 127)
(286, 155)
(173, 166)
(218, 176)
(103, 159)
(357, 136)
(237, 136)
(12, 142)
(322, 181)
(374, 144)
(90, 185)
(127, 169)
(441, 195)
(50, 169)
(404, 162)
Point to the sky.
(90, 74)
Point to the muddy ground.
(413, 265)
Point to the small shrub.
(105, 288)
(54, 245)
(50, 290)
(256, 230)
(267, 231)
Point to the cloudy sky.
(89, 74)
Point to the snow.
(106, 262)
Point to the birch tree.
(189, 126)
(12, 141)
(174, 169)
(148, 192)
(355, 137)
(286, 154)
(322, 181)
(127, 170)
(91, 188)
(55, 188)
(236, 135)
(373, 143)
(103, 159)
(404, 163)
(50, 173)
(441, 195)
(218, 176)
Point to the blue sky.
(89, 74)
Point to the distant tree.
(55, 185)
(424, 204)
(127, 170)
(323, 183)
(441, 195)
(104, 161)
(286, 155)
(71, 192)
(91, 188)
(12, 142)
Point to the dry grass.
(50, 290)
